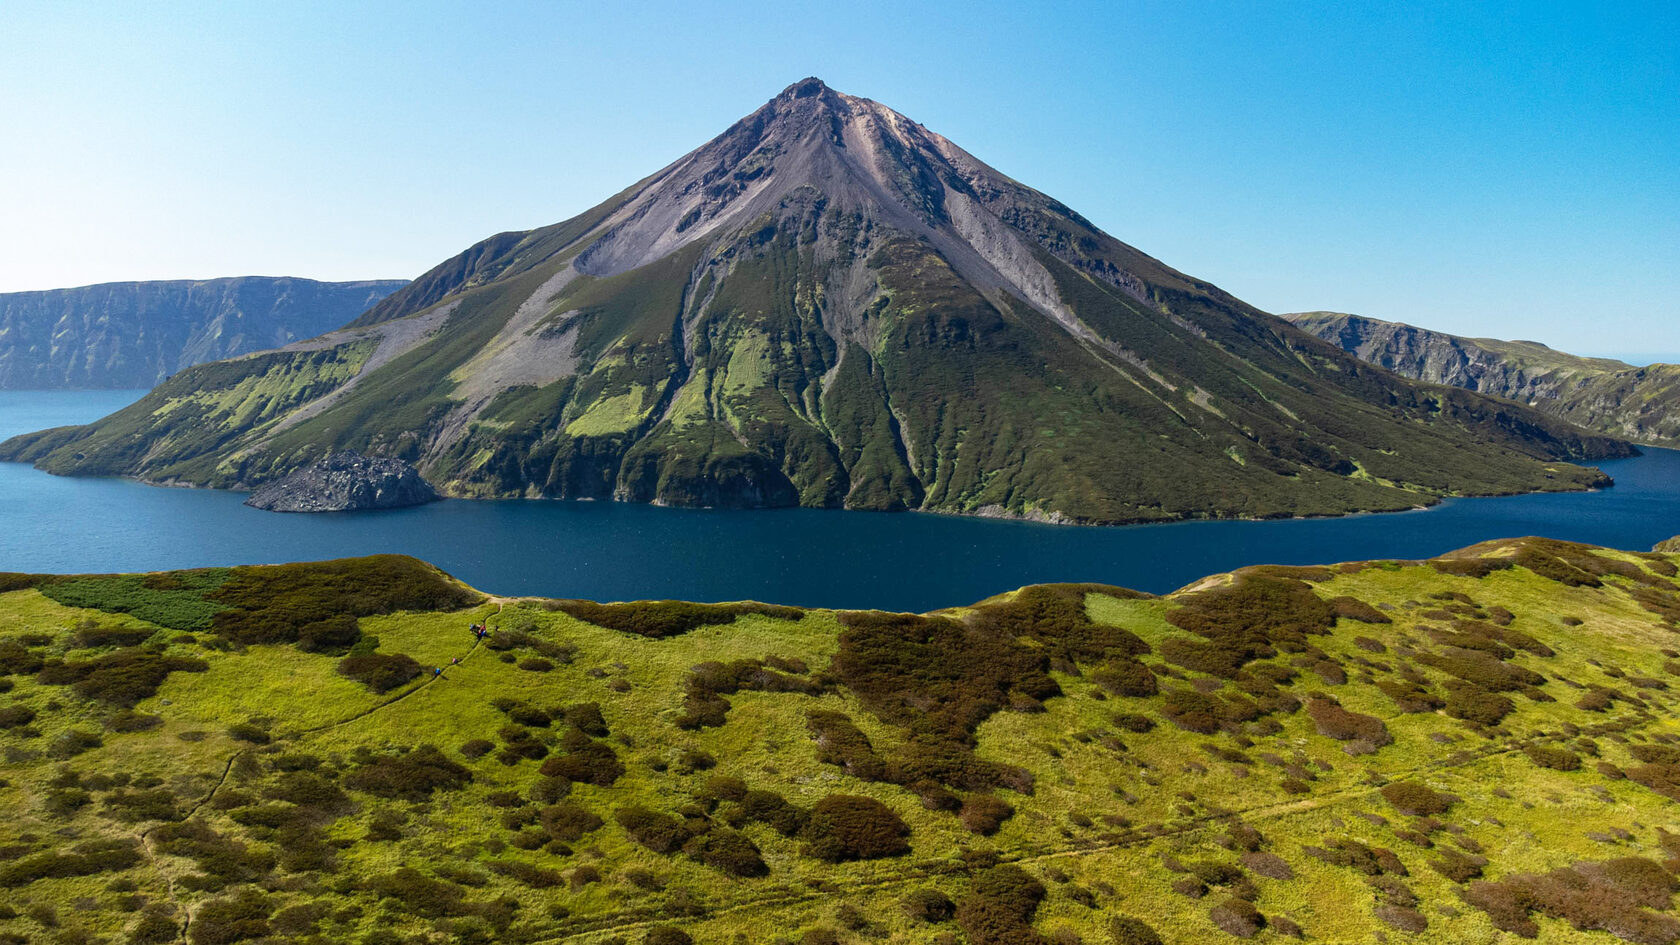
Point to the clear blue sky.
(1509, 170)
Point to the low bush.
(1363, 733)
(1352, 608)
(274, 603)
(667, 935)
(590, 762)
(984, 814)
(16, 716)
(845, 827)
(1553, 757)
(1418, 800)
(568, 822)
(1237, 917)
(999, 907)
(661, 833)
(409, 776)
(773, 810)
(381, 672)
(120, 678)
(1125, 930)
(928, 905)
(85, 859)
(1126, 677)
(232, 919)
(727, 850)
(667, 618)
(1471, 703)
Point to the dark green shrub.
(667, 935)
(1554, 757)
(1237, 917)
(661, 833)
(418, 894)
(849, 827)
(1458, 867)
(984, 814)
(90, 635)
(1133, 722)
(84, 859)
(156, 926)
(1248, 619)
(527, 874)
(999, 907)
(129, 720)
(133, 806)
(586, 717)
(1125, 930)
(233, 919)
(568, 822)
(1191, 710)
(773, 810)
(73, 742)
(1126, 677)
(16, 660)
(246, 732)
(16, 716)
(272, 603)
(1363, 733)
(723, 787)
(335, 634)
(1352, 608)
(729, 851)
(381, 672)
(928, 905)
(411, 776)
(589, 763)
(120, 678)
(667, 618)
(476, 748)
(1476, 705)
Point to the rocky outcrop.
(135, 334)
(1635, 403)
(1669, 546)
(345, 482)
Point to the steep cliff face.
(830, 305)
(1611, 397)
(135, 334)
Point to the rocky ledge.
(344, 482)
(1668, 546)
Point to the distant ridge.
(830, 305)
(135, 334)
(1600, 394)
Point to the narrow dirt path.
(146, 840)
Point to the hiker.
(437, 671)
(455, 662)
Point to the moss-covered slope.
(1432, 751)
(1637, 403)
(829, 305)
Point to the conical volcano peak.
(831, 305)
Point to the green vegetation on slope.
(1443, 749)
(1617, 399)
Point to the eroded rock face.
(344, 482)
(1668, 546)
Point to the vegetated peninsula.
(368, 751)
(830, 305)
(1600, 394)
(135, 334)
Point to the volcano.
(830, 305)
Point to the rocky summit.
(830, 305)
(343, 482)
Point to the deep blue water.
(612, 551)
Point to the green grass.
(1113, 821)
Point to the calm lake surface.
(612, 551)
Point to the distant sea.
(614, 551)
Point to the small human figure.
(437, 671)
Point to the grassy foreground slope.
(1471, 749)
